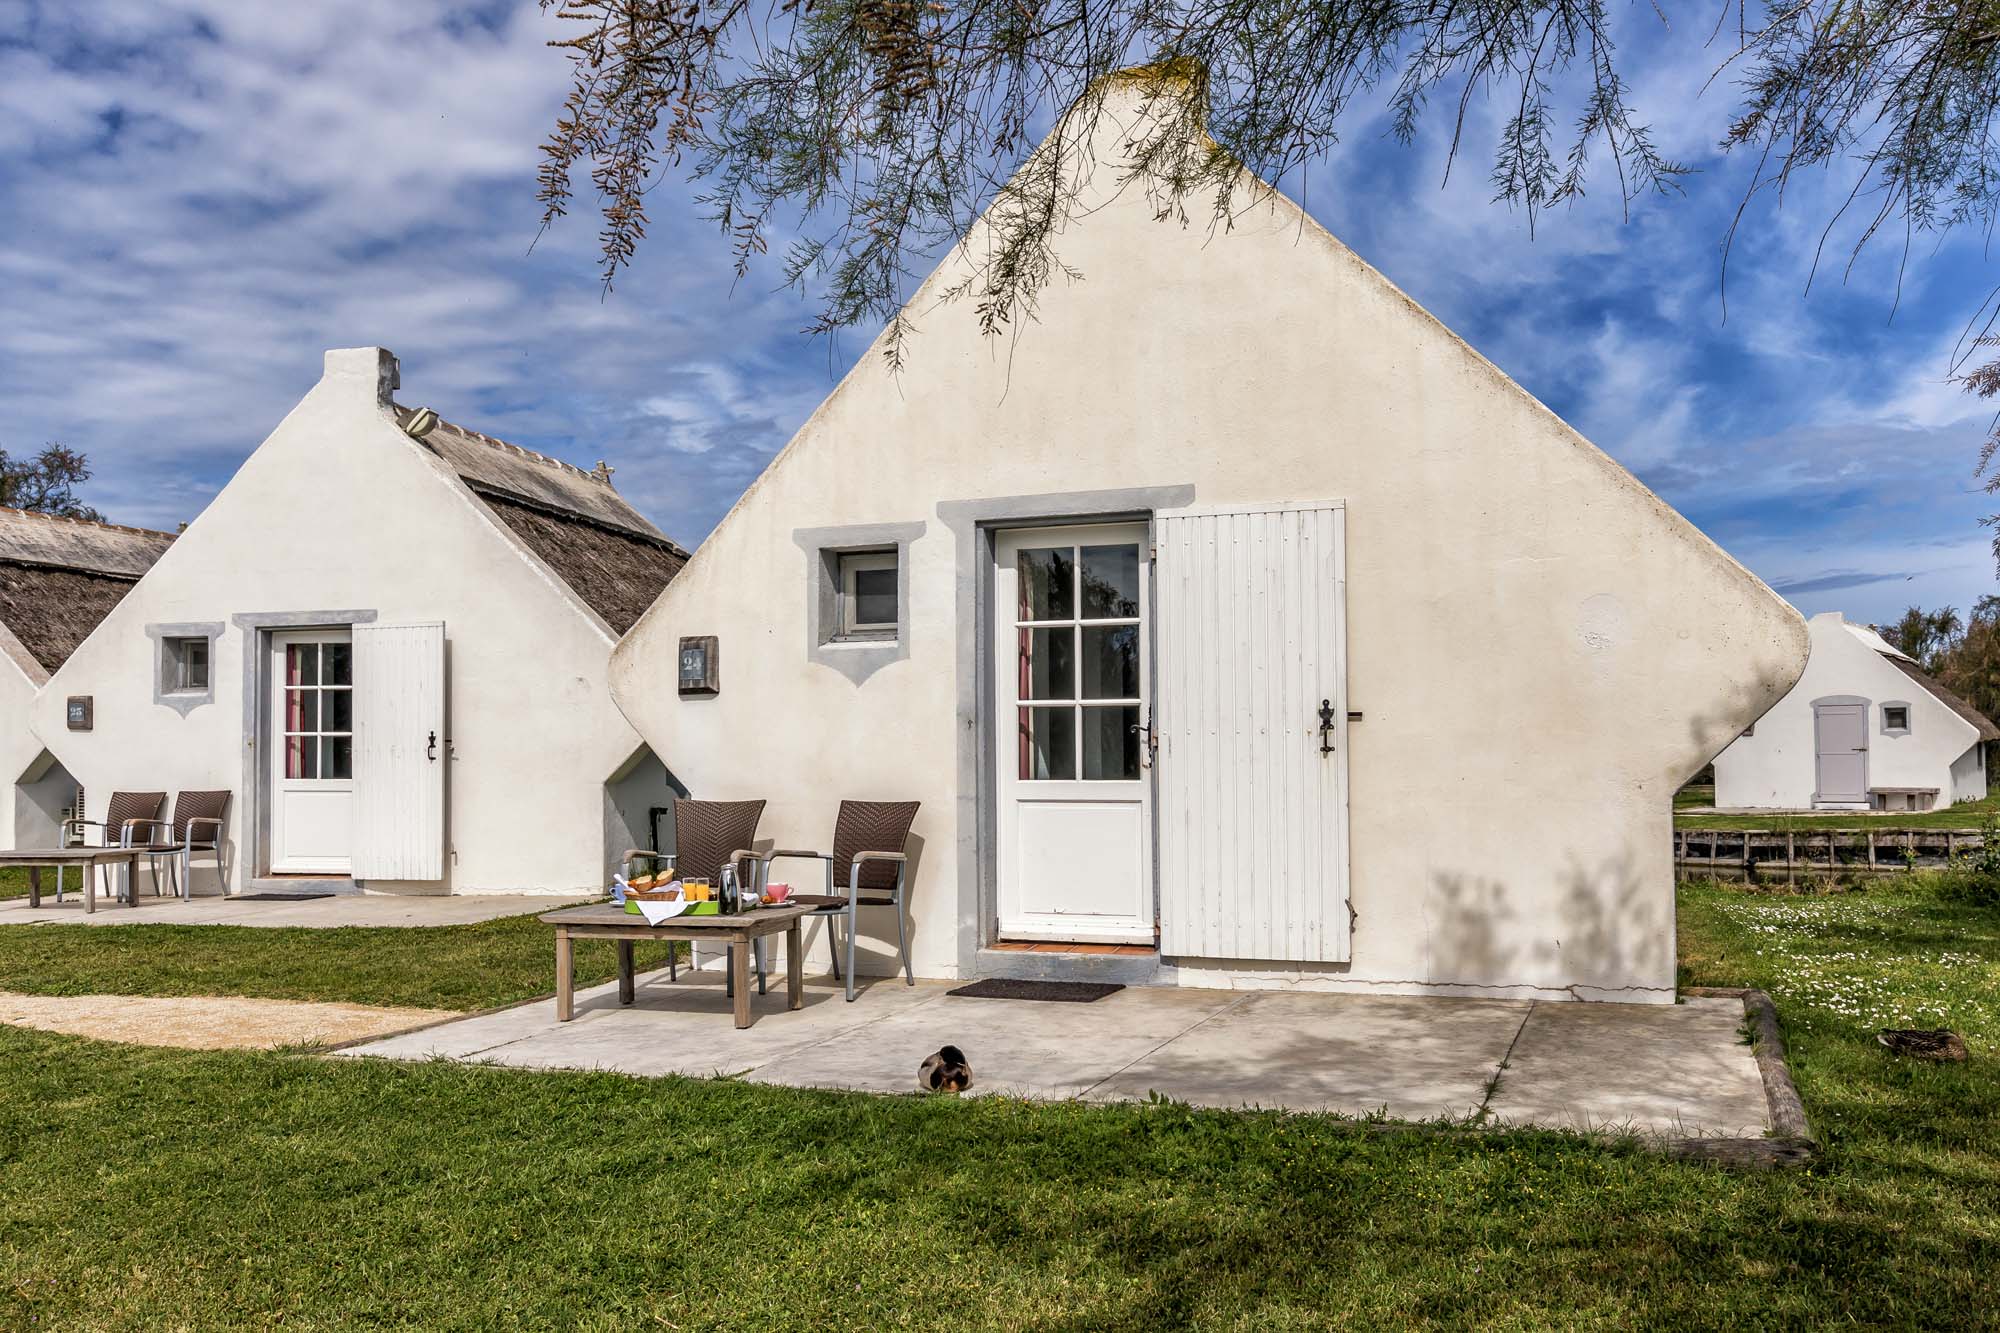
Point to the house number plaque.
(81, 711)
(698, 677)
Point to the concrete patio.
(1675, 1071)
(340, 909)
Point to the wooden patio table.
(602, 921)
(85, 858)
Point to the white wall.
(22, 822)
(1543, 651)
(1773, 768)
(339, 510)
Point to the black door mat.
(1007, 988)
(282, 897)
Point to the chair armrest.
(879, 856)
(637, 854)
(204, 819)
(126, 830)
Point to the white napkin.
(656, 912)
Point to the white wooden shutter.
(399, 751)
(1252, 636)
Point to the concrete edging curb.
(1790, 1142)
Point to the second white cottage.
(387, 637)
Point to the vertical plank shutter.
(399, 751)
(1252, 636)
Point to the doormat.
(282, 897)
(1007, 988)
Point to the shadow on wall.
(1609, 933)
(1712, 730)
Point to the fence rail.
(1823, 849)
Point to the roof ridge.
(86, 522)
(497, 443)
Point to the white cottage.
(1864, 729)
(388, 637)
(59, 577)
(1236, 625)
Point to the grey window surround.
(1887, 728)
(182, 701)
(973, 524)
(256, 628)
(855, 656)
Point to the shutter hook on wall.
(431, 748)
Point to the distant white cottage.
(387, 637)
(1864, 729)
(59, 578)
(1236, 626)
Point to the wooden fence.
(1822, 849)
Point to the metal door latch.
(1326, 726)
(431, 748)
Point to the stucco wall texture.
(1542, 649)
(339, 510)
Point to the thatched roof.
(1980, 722)
(59, 577)
(596, 542)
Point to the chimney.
(603, 471)
(370, 370)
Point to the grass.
(14, 882)
(438, 967)
(1964, 815)
(169, 1189)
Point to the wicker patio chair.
(709, 835)
(869, 857)
(131, 818)
(195, 827)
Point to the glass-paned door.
(1074, 822)
(312, 768)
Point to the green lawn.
(1965, 815)
(439, 967)
(151, 1188)
(14, 882)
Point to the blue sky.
(198, 196)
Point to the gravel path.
(209, 1022)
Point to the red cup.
(777, 893)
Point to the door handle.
(431, 748)
(1148, 744)
(1326, 726)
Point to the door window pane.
(301, 664)
(338, 708)
(337, 757)
(1111, 662)
(1047, 579)
(301, 758)
(1048, 744)
(1046, 669)
(339, 664)
(1110, 581)
(1110, 744)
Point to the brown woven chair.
(869, 857)
(132, 818)
(195, 827)
(709, 835)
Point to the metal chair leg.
(903, 944)
(833, 945)
(850, 955)
(761, 954)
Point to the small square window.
(184, 665)
(1895, 717)
(868, 594)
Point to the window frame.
(849, 564)
(1889, 728)
(169, 691)
(174, 671)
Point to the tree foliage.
(45, 483)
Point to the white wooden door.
(1074, 821)
(311, 768)
(1840, 733)
(400, 752)
(1252, 717)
